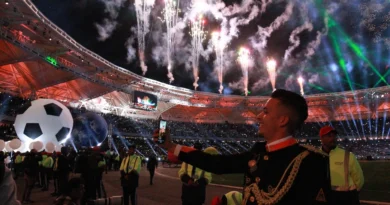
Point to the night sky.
(353, 52)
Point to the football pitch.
(376, 186)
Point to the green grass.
(376, 174)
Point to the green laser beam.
(354, 46)
(385, 75)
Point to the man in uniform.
(345, 172)
(278, 171)
(130, 168)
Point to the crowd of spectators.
(367, 137)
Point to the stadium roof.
(39, 60)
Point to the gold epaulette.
(313, 149)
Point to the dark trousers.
(345, 197)
(129, 192)
(29, 182)
(56, 183)
(41, 177)
(47, 175)
(18, 168)
(151, 171)
(62, 182)
(100, 187)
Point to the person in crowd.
(277, 171)
(130, 168)
(102, 168)
(73, 193)
(41, 172)
(346, 175)
(55, 174)
(87, 165)
(195, 180)
(62, 169)
(31, 167)
(71, 158)
(230, 198)
(109, 158)
(117, 161)
(18, 164)
(7, 184)
(152, 166)
(47, 165)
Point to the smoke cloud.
(259, 41)
(294, 38)
(107, 27)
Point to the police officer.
(346, 174)
(278, 171)
(195, 180)
(130, 168)
(47, 165)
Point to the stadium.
(39, 60)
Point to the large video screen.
(145, 101)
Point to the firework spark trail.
(243, 58)
(300, 81)
(198, 36)
(219, 47)
(143, 9)
(170, 17)
(271, 68)
(294, 38)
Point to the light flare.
(271, 68)
(198, 36)
(170, 15)
(301, 81)
(143, 9)
(244, 59)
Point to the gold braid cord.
(265, 198)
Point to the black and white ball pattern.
(44, 120)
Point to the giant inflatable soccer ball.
(44, 120)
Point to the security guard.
(195, 180)
(18, 164)
(346, 174)
(130, 168)
(47, 165)
(278, 171)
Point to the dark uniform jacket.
(292, 175)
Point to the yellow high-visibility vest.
(345, 171)
(199, 173)
(134, 164)
(233, 198)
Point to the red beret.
(326, 130)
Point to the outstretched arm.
(217, 164)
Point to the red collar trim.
(281, 145)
